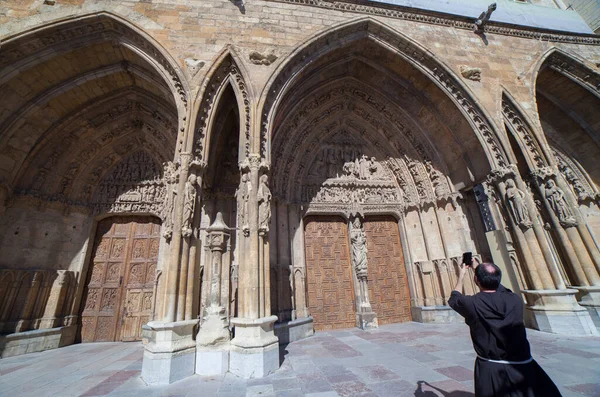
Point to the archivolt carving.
(579, 183)
(513, 117)
(228, 68)
(364, 29)
(102, 26)
(575, 70)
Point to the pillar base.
(557, 311)
(255, 348)
(169, 351)
(435, 314)
(291, 331)
(367, 320)
(212, 344)
(589, 298)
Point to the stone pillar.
(254, 349)
(169, 343)
(296, 226)
(212, 341)
(366, 318)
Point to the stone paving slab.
(397, 360)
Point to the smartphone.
(467, 258)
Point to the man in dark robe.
(504, 366)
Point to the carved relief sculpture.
(264, 204)
(556, 199)
(516, 203)
(189, 205)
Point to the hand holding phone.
(467, 258)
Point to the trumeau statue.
(189, 204)
(264, 203)
(358, 239)
(556, 199)
(516, 203)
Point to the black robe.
(498, 333)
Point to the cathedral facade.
(219, 177)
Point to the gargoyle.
(479, 25)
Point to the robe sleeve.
(460, 303)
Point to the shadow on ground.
(428, 393)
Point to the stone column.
(212, 341)
(366, 318)
(254, 349)
(296, 231)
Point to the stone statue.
(358, 239)
(331, 164)
(189, 204)
(170, 178)
(516, 203)
(243, 195)
(264, 203)
(556, 199)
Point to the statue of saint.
(189, 204)
(516, 203)
(243, 194)
(264, 203)
(358, 239)
(556, 199)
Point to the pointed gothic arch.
(343, 35)
(227, 71)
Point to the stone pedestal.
(367, 320)
(255, 348)
(589, 298)
(557, 311)
(435, 314)
(294, 330)
(212, 344)
(169, 353)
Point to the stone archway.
(367, 129)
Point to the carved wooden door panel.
(388, 283)
(139, 278)
(329, 274)
(112, 261)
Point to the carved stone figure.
(264, 203)
(516, 203)
(189, 204)
(573, 180)
(243, 195)
(470, 73)
(556, 199)
(170, 178)
(358, 239)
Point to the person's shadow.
(427, 393)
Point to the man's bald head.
(489, 276)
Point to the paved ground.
(390, 361)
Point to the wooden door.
(330, 285)
(387, 280)
(118, 297)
